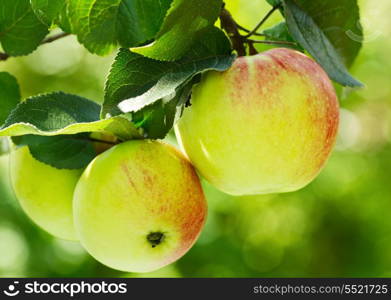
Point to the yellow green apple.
(266, 125)
(139, 206)
(44, 192)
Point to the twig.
(238, 41)
(247, 30)
(252, 32)
(5, 56)
(100, 141)
(55, 37)
(272, 42)
(90, 139)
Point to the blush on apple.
(139, 206)
(267, 125)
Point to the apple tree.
(249, 122)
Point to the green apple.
(139, 206)
(266, 125)
(44, 192)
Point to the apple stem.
(252, 50)
(155, 238)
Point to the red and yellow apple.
(139, 206)
(266, 125)
(44, 192)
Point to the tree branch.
(50, 39)
(230, 26)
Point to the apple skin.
(266, 125)
(132, 191)
(44, 192)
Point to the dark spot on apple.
(155, 238)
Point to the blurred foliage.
(339, 225)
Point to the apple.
(44, 192)
(139, 206)
(266, 125)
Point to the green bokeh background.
(339, 225)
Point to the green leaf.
(63, 20)
(102, 25)
(136, 81)
(157, 119)
(59, 114)
(153, 90)
(9, 95)
(21, 31)
(280, 32)
(185, 22)
(47, 10)
(320, 27)
(62, 151)
(336, 18)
